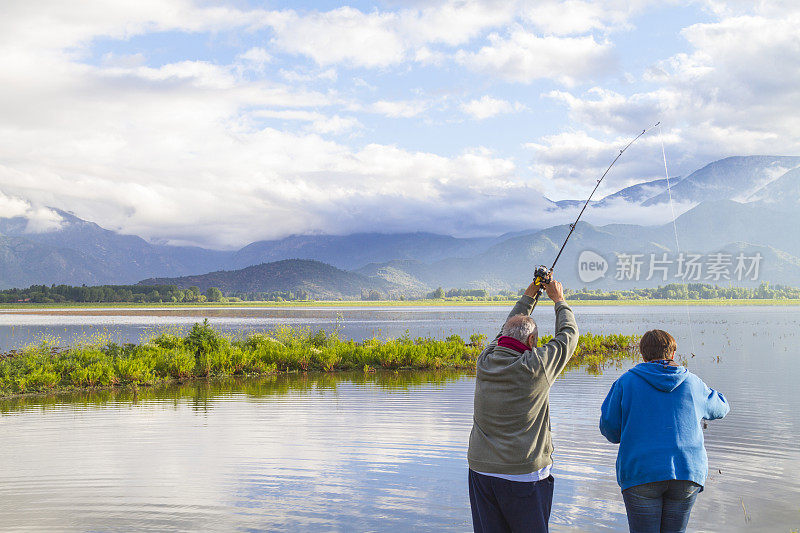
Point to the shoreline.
(204, 354)
(134, 389)
(310, 304)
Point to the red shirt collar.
(514, 344)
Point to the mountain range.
(743, 206)
(320, 280)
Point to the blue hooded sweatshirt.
(654, 411)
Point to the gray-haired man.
(510, 448)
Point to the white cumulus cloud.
(523, 56)
(375, 39)
(487, 107)
(277, 139)
(399, 108)
(39, 219)
(732, 93)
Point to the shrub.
(204, 352)
(178, 363)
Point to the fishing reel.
(541, 277)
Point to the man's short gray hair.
(519, 327)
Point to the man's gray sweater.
(511, 422)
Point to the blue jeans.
(502, 506)
(661, 506)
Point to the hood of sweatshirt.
(663, 377)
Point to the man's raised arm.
(556, 353)
(524, 305)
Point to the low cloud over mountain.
(75, 251)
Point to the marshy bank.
(205, 353)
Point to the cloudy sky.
(220, 123)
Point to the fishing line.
(542, 275)
(674, 225)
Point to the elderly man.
(510, 448)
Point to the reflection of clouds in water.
(360, 455)
(587, 496)
(94, 466)
(331, 452)
(362, 449)
(755, 446)
(593, 508)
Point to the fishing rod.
(542, 276)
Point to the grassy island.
(204, 353)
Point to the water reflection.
(387, 451)
(358, 452)
(292, 452)
(201, 395)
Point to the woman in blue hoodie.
(654, 411)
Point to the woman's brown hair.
(657, 344)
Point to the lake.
(377, 452)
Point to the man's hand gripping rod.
(542, 276)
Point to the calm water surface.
(380, 452)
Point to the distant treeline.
(690, 291)
(109, 293)
(673, 291)
(457, 293)
(174, 294)
(140, 294)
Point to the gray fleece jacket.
(511, 421)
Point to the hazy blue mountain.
(712, 224)
(732, 178)
(636, 194)
(775, 265)
(406, 275)
(519, 233)
(782, 194)
(23, 263)
(83, 252)
(356, 250)
(569, 204)
(510, 264)
(415, 276)
(708, 228)
(320, 280)
(641, 191)
(519, 257)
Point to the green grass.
(205, 353)
(596, 352)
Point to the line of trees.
(690, 291)
(672, 291)
(110, 294)
(440, 293)
(272, 296)
(174, 294)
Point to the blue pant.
(499, 505)
(661, 506)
